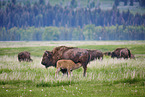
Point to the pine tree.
(116, 2)
(125, 2)
(13, 1)
(142, 3)
(42, 2)
(131, 2)
(73, 4)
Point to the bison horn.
(46, 53)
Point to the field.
(109, 77)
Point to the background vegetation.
(39, 20)
(89, 32)
(109, 77)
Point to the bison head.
(113, 55)
(47, 59)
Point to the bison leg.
(68, 72)
(56, 72)
(85, 69)
(19, 60)
(71, 73)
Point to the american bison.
(24, 56)
(121, 53)
(95, 54)
(66, 64)
(77, 55)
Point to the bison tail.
(129, 53)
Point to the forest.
(41, 21)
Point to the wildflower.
(42, 90)
(30, 90)
(135, 90)
(6, 90)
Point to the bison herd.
(73, 57)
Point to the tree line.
(131, 2)
(42, 15)
(89, 32)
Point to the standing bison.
(77, 55)
(95, 54)
(121, 53)
(24, 56)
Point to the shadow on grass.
(5, 70)
(55, 84)
(17, 82)
(131, 81)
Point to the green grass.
(110, 77)
(39, 50)
(36, 51)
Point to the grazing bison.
(108, 53)
(95, 54)
(77, 55)
(121, 53)
(24, 56)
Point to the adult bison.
(24, 56)
(95, 54)
(121, 53)
(77, 55)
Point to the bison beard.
(62, 52)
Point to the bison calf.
(66, 64)
(24, 56)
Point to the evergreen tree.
(116, 2)
(92, 4)
(131, 2)
(142, 3)
(13, 1)
(42, 2)
(125, 2)
(73, 4)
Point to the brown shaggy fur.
(66, 64)
(77, 55)
(121, 53)
(24, 56)
(95, 54)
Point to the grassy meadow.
(109, 77)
